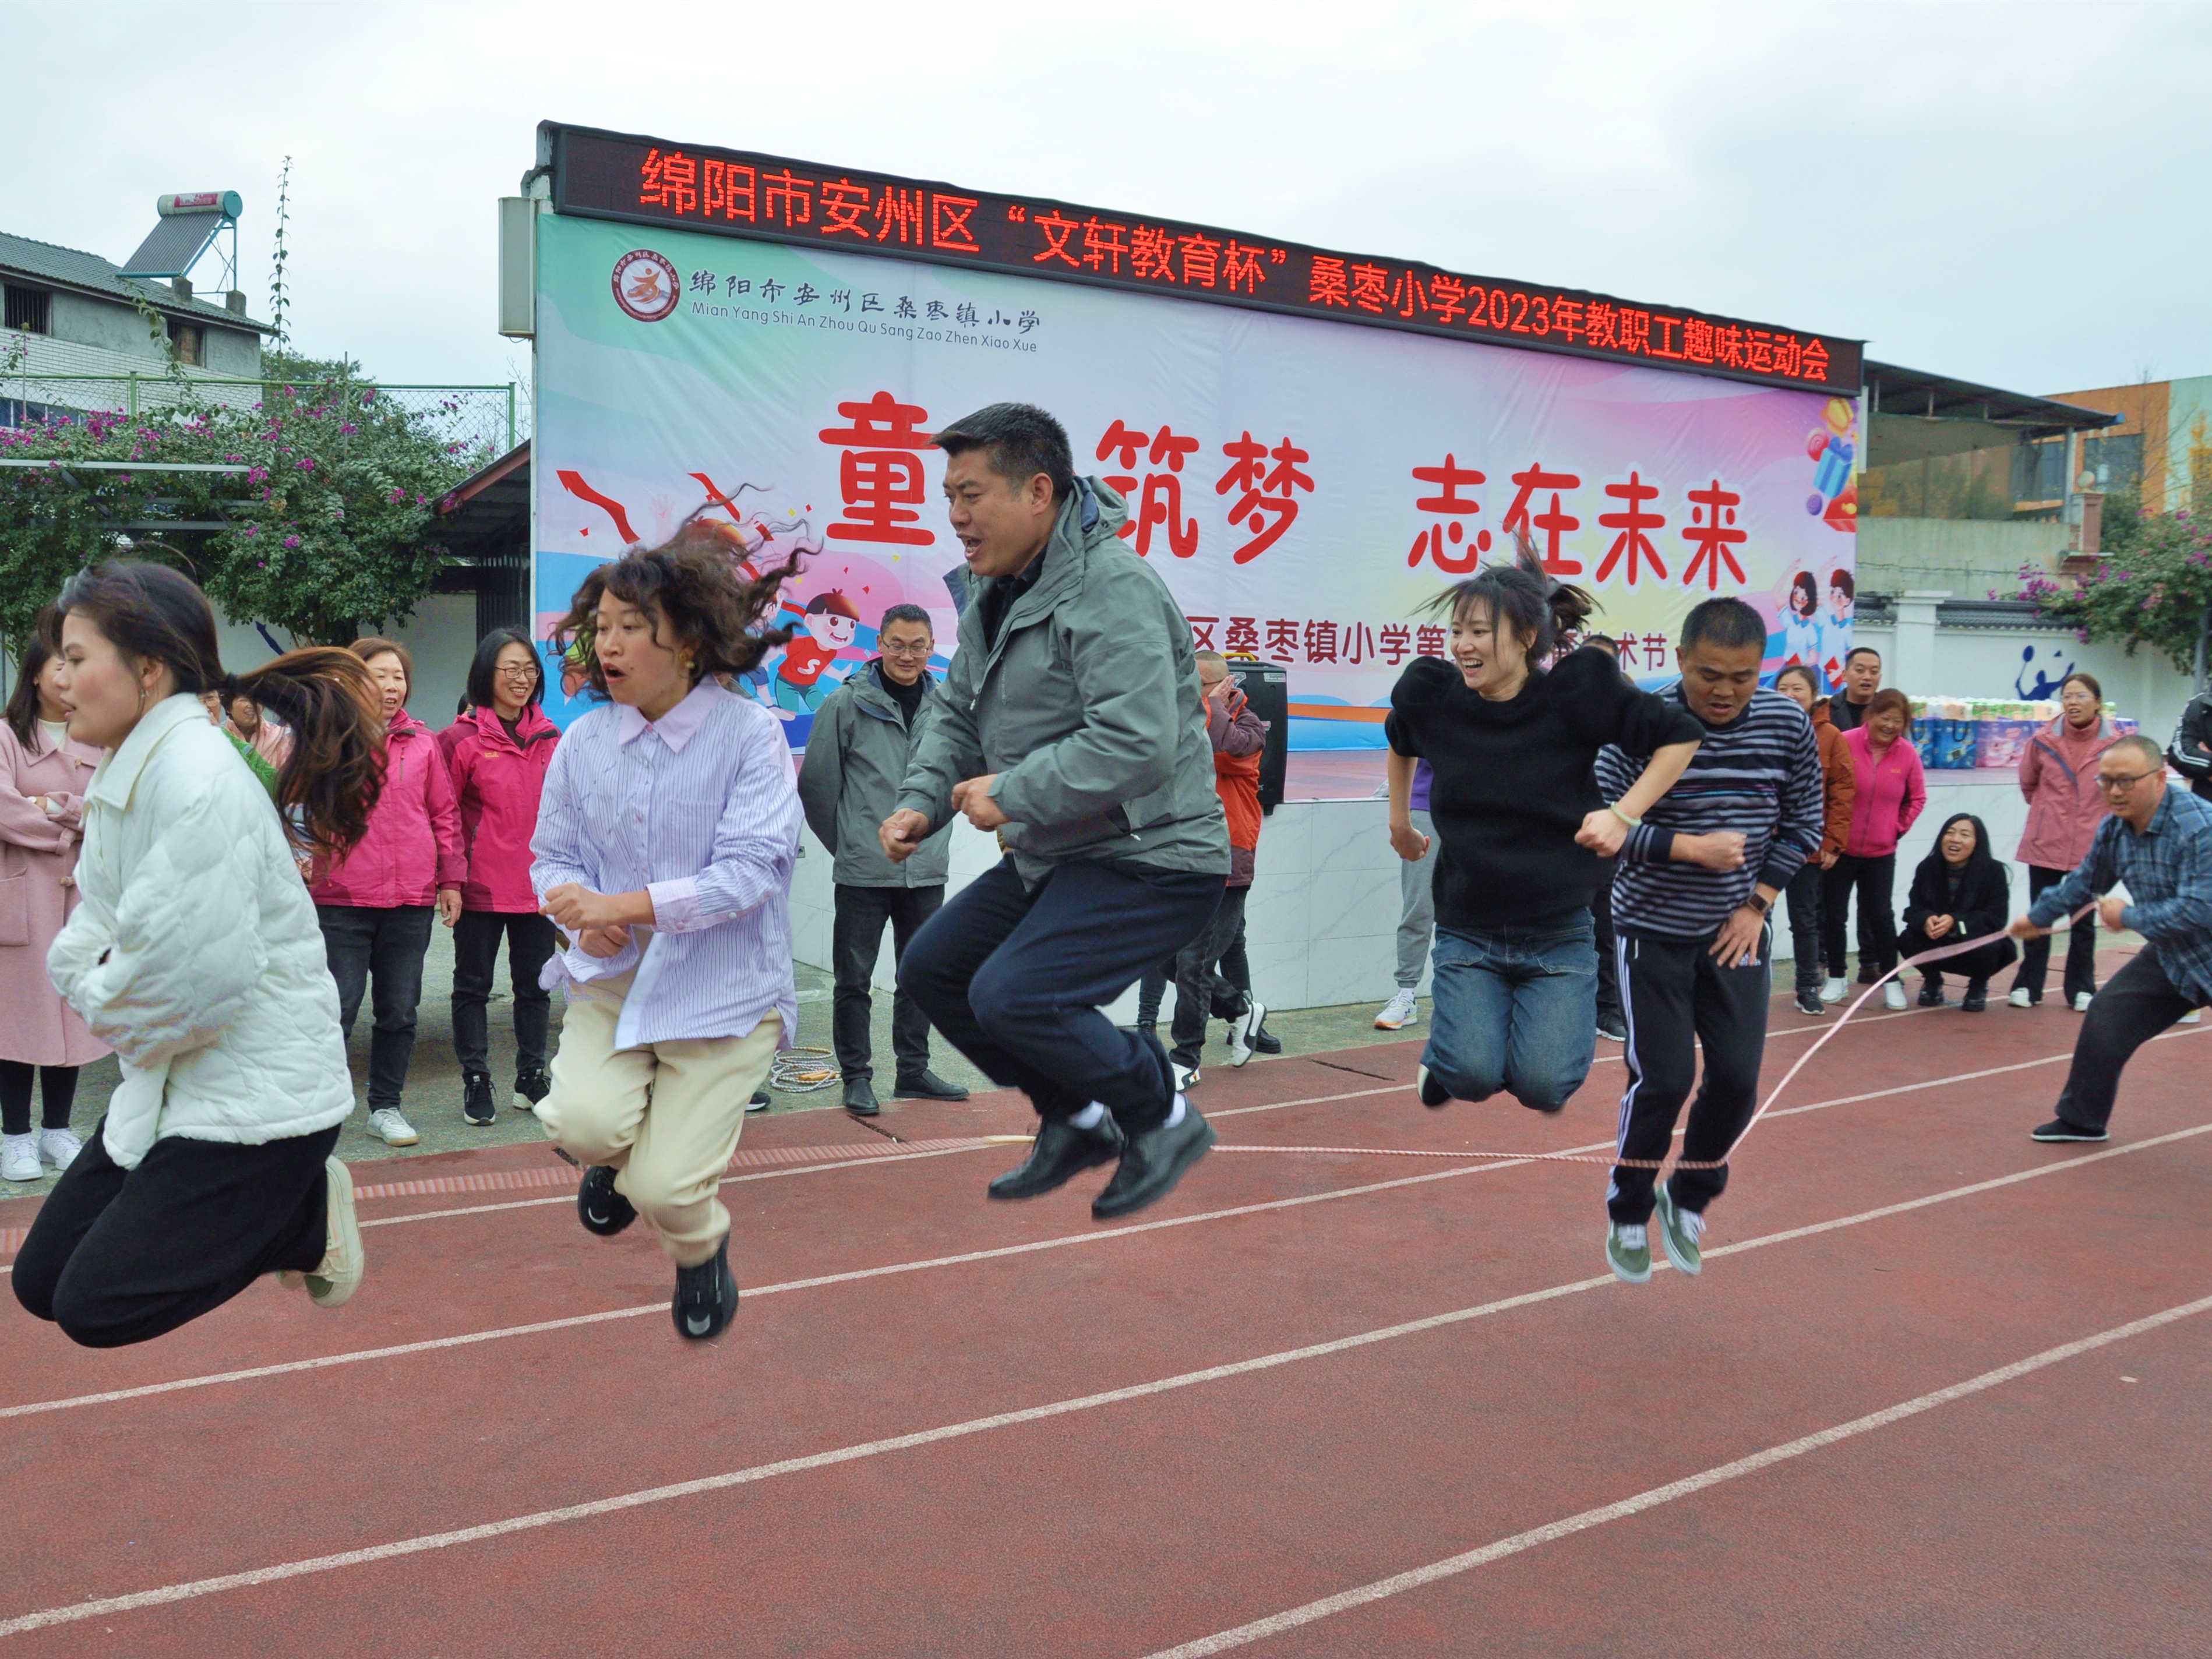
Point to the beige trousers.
(666, 1115)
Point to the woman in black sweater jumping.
(1510, 745)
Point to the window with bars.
(27, 309)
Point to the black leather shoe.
(1976, 998)
(1153, 1162)
(1265, 1041)
(1931, 994)
(1062, 1152)
(860, 1097)
(602, 1209)
(706, 1299)
(926, 1085)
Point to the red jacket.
(1891, 794)
(497, 781)
(1238, 736)
(2064, 804)
(413, 847)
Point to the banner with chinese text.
(1304, 487)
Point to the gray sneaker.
(1628, 1253)
(1679, 1231)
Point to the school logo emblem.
(647, 285)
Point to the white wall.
(441, 637)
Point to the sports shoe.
(1931, 992)
(1679, 1230)
(602, 1209)
(2059, 1129)
(338, 1275)
(1185, 1077)
(1808, 1002)
(2020, 998)
(1833, 991)
(2082, 1001)
(2194, 1016)
(531, 1086)
(19, 1158)
(1613, 1028)
(1399, 1013)
(1976, 998)
(1241, 1030)
(60, 1147)
(388, 1126)
(1433, 1094)
(476, 1106)
(705, 1298)
(1628, 1253)
(759, 1103)
(1893, 996)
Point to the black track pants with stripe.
(1674, 994)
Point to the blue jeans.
(1517, 1011)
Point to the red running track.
(1321, 1405)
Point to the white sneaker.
(337, 1276)
(2082, 1002)
(60, 1147)
(1893, 995)
(1185, 1077)
(2020, 999)
(1241, 1031)
(388, 1126)
(19, 1158)
(1398, 1013)
(2194, 1017)
(1833, 991)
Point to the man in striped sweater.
(1697, 880)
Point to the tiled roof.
(69, 267)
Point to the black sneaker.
(1433, 1094)
(759, 1103)
(531, 1086)
(1976, 998)
(1932, 993)
(1808, 1002)
(1613, 1028)
(705, 1298)
(476, 1106)
(2059, 1129)
(602, 1209)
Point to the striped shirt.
(2167, 867)
(700, 810)
(1760, 774)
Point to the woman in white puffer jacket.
(195, 953)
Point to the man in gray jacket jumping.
(857, 752)
(1072, 725)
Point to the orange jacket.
(1839, 784)
(1237, 736)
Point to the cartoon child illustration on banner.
(830, 621)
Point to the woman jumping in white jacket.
(196, 954)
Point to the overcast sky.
(2012, 193)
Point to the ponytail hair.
(336, 768)
(1542, 612)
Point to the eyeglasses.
(919, 649)
(518, 671)
(2124, 782)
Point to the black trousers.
(2080, 946)
(1676, 995)
(1236, 965)
(1972, 966)
(118, 1256)
(1015, 976)
(1199, 990)
(1608, 972)
(856, 939)
(1873, 880)
(531, 941)
(389, 944)
(1805, 893)
(56, 1092)
(2136, 1004)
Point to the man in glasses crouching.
(2159, 842)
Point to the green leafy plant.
(2153, 588)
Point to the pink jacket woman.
(413, 847)
(497, 780)
(38, 854)
(1892, 793)
(2058, 775)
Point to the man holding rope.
(2158, 841)
(1697, 880)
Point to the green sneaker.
(1678, 1233)
(1628, 1253)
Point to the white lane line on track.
(1344, 1601)
(109, 1606)
(469, 1339)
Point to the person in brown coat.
(1801, 684)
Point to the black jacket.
(1984, 902)
(2187, 751)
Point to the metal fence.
(486, 420)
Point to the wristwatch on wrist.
(1757, 901)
